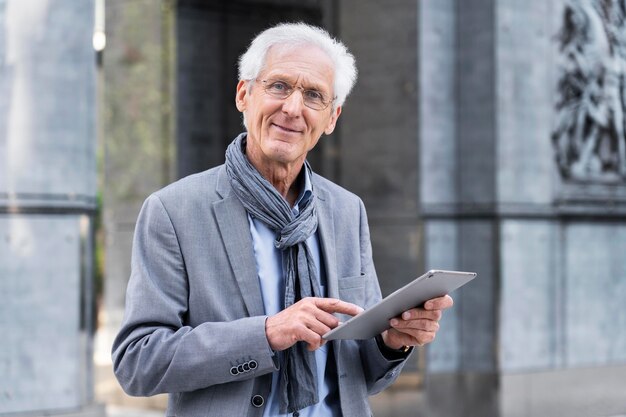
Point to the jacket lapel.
(326, 225)
(327, 238)
(232, 221)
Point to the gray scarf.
(298, 374)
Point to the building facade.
(482, 135)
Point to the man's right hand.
(307, 320)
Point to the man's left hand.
(418, 326)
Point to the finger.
(399, 338)
(439, 303)
(327, 319)
(411, 337)
(319, 327)
(311, 338)
(308, 308)
(296, 323)
(420, 313)
(419, 324)
(321, 343)
(333, 305)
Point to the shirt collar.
(306, 192)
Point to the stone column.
(457, 166)
(493, 201)
(47, 204)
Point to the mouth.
(286, 128)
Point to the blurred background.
(483, 135)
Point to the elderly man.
(238, 271)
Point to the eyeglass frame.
(291, 88)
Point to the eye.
(314, 95)
(279, 86)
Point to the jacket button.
(258, 401)
(234, 371)
(252, 364)
(246, 367)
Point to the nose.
(293, 104)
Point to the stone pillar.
(493, 201)
(457, 163)
(47, 204)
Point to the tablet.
(375, 320)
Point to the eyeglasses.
(280, 89)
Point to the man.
(238, 271)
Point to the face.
(283, 131)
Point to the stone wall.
(547, 248)
(47, 203)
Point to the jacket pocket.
(352, 289)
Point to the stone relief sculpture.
(589, 137)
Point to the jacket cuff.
(392, 354)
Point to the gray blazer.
(194, 308)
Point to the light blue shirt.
(269, 267)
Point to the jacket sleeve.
(379, 369)
(155, 351)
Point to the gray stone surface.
(478, 302)
(468, 332)
(397, 249)
(548, 252)
(462, 394)
(476, 108)
(524, 100)
(47, 102)
(40, 313)
(595, 287)
(378, 146)
(201, 90)
(89, 411)
(437, 104)
(440, 252)
(47, 200)
(531, 321)
(575, 392)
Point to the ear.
(242, 95)
(333, 121)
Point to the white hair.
(296, 34)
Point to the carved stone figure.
(589, 132)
